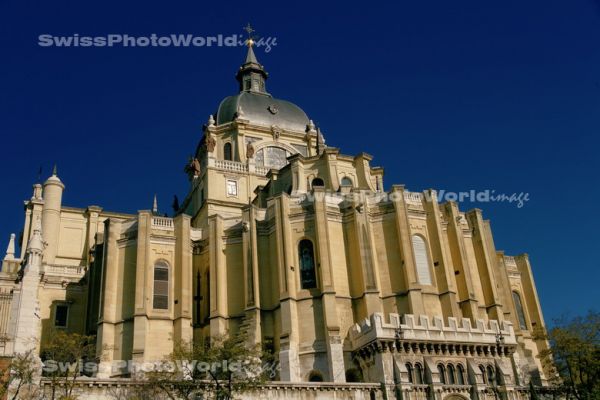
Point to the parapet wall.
(110, 389)
(409, 327)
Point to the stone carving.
(276, 131)
(210, 142)
(193, 169)
(249, 150)
(240, 112)
(211, 120)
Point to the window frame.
(314, 262)
(68, 312)
(235, 184)
(167, 267)
(227, 145)
(520, 310)
(427, 259)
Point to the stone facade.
(300, 247)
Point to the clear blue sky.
(462, 95)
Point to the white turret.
(10, 250)
(28, 324)
(53, 190)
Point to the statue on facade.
(249, 150)
(210, 142)
(193, 168)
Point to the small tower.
(53, 191)
(252, 75)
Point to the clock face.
(272, 157)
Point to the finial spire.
(54, 170)
(155, 205)
(10, 250)
(251, 75)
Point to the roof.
(262, 109)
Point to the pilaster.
(331, 321)
(218, 274)
(415, 298)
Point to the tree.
(221, 369)
(574, 355)
(20, 377)
(65, 357)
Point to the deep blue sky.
(449, 95)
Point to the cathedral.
(298, 246)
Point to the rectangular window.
(232, 189)
(161, 287)
(61, 315)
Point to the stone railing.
(230, 166)
(164, 223)
(261, 170)
(100, 389)
(421, 330)
(415, 198)
(509, 261)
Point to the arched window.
(161, 286)
(306, 256)
(442, 372)
(315, 376)
(227, 153)
(354, 375)
(418, 374)
(520, 311)
(451, 375)
(483, 374)
(460, 374)
(317, 182)
(346, 181)
(490, 375)
(272, 157)
(421, 260)
(409, 370)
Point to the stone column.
(288, 352)
(367, 260)
(105, 347)
(444, 271)
(415, 298)
(92, 212)
(143, 286)
(467, 297)
(335, 353)
(486, 264)
(183, 280)
(218, 275)
(251, 286)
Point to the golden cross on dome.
(249, 30)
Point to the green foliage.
(64, 356)
(574, 355)
(221, 369)
(21, 373)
